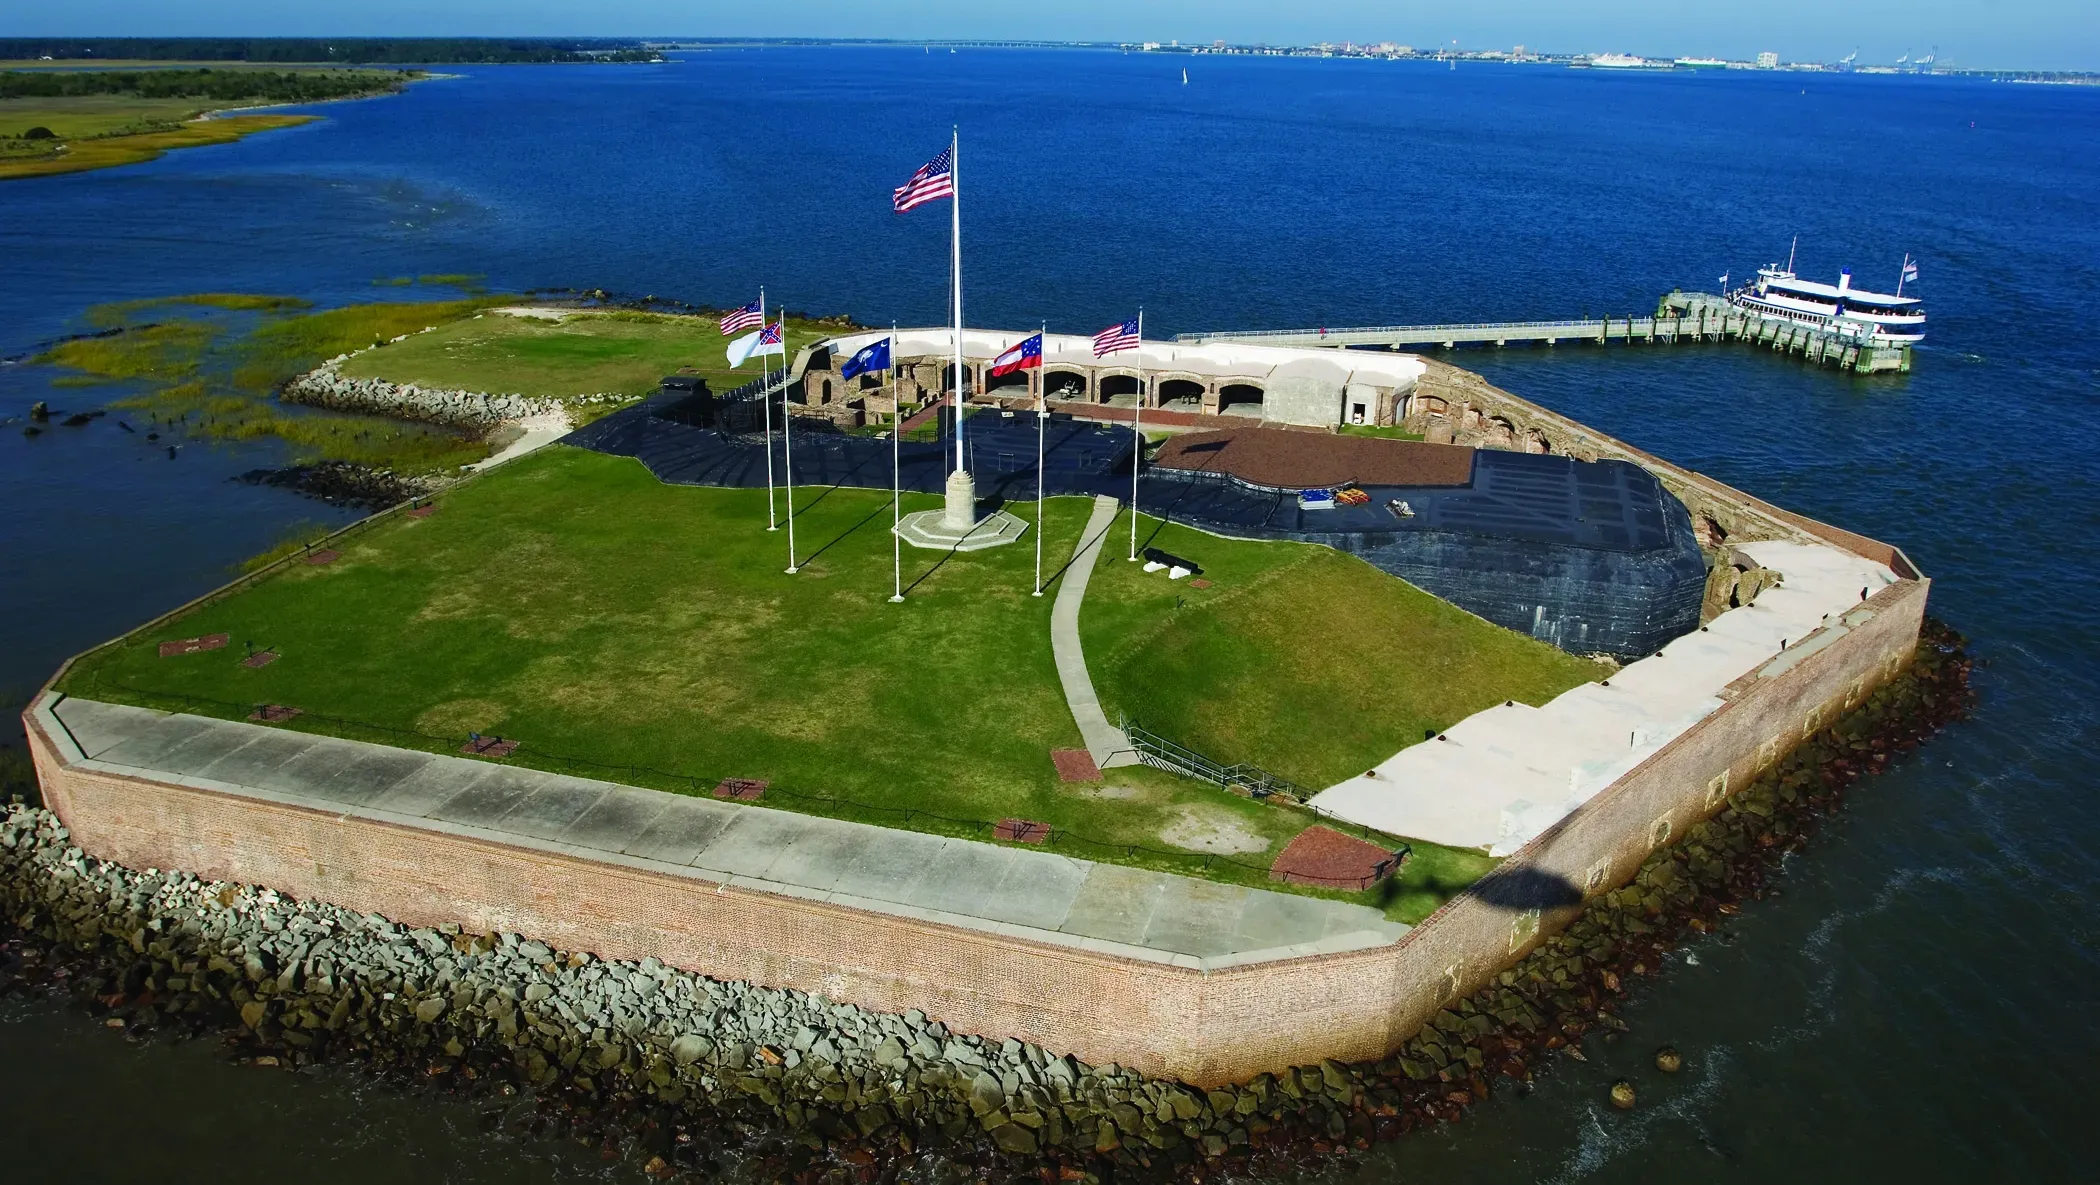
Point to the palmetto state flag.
(736, 320)
(872, 357)
(1027, 354)
(765, 342)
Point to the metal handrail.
(1161, 753)
(1466, 328)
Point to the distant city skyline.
(2009, 34)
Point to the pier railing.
(1678, 317)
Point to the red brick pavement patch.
(740, 789)
(326, 555)
(1199, 582)
(260, 658)
(273, 714)
(1075, 765)
(1021, 831)
(423, 511)
(489, 747)
(193, 645)
(1326, 858)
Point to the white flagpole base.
(897, 599)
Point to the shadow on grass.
(812, 556)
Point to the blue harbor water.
(1917, 1004)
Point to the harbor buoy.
(1622, 1095)
(1668, 1060)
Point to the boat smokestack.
(1845, 280)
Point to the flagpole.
(765, 403)
(1137, 459)
(1042, 409)
(787, 443)
(896, 482)
(955, 265)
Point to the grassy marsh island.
(71, 120)
(641, 633)
(208, 365)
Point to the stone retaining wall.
(329, 388)
(1203, 1027)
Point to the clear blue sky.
(2035, 34)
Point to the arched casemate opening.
(1065, 384)
(1240, 399)
(1012, 382)
(1119, 388)
(1181, 394)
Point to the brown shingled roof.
(1286, 460)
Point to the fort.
(1728, 631)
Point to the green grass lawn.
(644, 633)
(1380, 433)
(584, 353)
(1298, 658)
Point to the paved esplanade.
(1105, 743)
(1033, 895)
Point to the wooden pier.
(1680, 316)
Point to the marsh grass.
(79, 156)
(126, 312)
(216, 361)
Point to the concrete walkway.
(535, 433)
(1012, 891)
(1105, 743)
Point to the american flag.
(738, 320)
(1121, 336)
(934, 181)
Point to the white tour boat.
(1778, 293)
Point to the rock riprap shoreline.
(330, 388)
(327, 386)
(677, 1067)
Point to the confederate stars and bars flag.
(1121, 336)
(738, 320)
(766, 342)
(934, 181)
(1027, 354)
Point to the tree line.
(287, 86)
(348, 50)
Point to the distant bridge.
(1680, 316)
